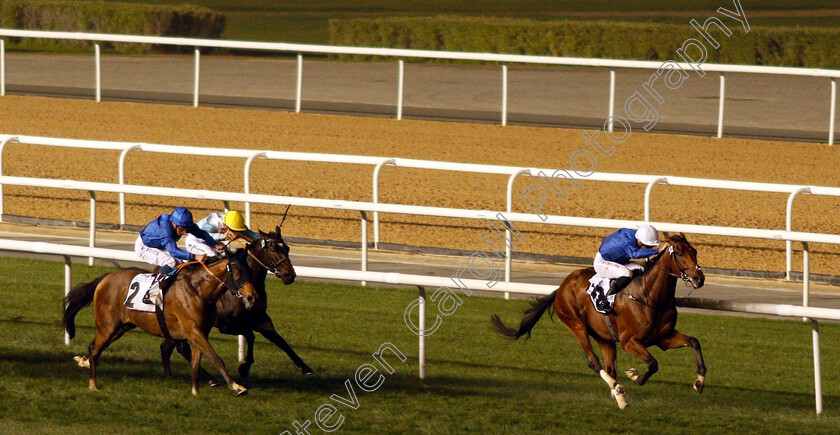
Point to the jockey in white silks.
(222, 227)
(613, 258)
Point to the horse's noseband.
(689, 281)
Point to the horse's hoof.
(195, 391)
(698, 385)
(214, 382)
(93, 386)
(82, 361)
(244, 370)
(306, 371)
(632, 374)
(239, 389)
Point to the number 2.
(136, 287)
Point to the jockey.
(156, 243)
(222, 227)
(613, 258)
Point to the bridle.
(272, 268)
(689, 281)
(232, 284)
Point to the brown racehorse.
(644, 315)
(189, 310)
(269, 254)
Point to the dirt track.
(691, 156)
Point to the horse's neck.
(661, 285)
(209, 288)
(258, 272)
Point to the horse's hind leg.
(99, 344)
(266, 328)
(678, 339)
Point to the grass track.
(760, 375)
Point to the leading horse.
(190, 310)
(268, 254)
(645, 314)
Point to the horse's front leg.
(199, 342)
(678, 339)
(634, 347)
(245, 367)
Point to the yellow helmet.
(235, 221)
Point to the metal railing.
(512, 172)
(400, 54)
(422, 281)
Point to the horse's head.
(274, 253)
(238, 280)
(684, 260)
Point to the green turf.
(760, 372)
(307, 22)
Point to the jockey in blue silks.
(157, 242)
(613, 258)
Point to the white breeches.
(196, 246)
(613, 270)
(155, 256)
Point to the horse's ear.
(277, 229)
(262, 234)
(682, 235)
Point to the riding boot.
(162, 280)
(638, 272)
(618, 284)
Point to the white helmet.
(647, 235)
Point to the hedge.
(107, 17)
(781, 46)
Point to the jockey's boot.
(164, 278)
(618, 284)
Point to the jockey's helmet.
(647, 235)
(181, 217)
(235, 221)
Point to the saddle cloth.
(598, 286)
(137, 297)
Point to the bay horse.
(269, 254)
(644, 315)
(189, 310)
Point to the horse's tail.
(532, 315)
(78, 298)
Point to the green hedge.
(107, 17)
(808, 47)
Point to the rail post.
(299, 83)
(815, 338)
(121, 174)
(400, 89)
(832, 111)
(789, 227)
(376, 171)
(98, 74)
(364, 243)
(92, 241)
(612, 99)
(720, 106)
(504, 94)
(197, 73)
(421, 337)
(248, 184)
(2, 67)
(648, 189)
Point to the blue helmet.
(181, 217)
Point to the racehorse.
(189, 310)
(269, 254)
(644, 315)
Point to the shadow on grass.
(113, 371)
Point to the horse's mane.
(676, 238)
